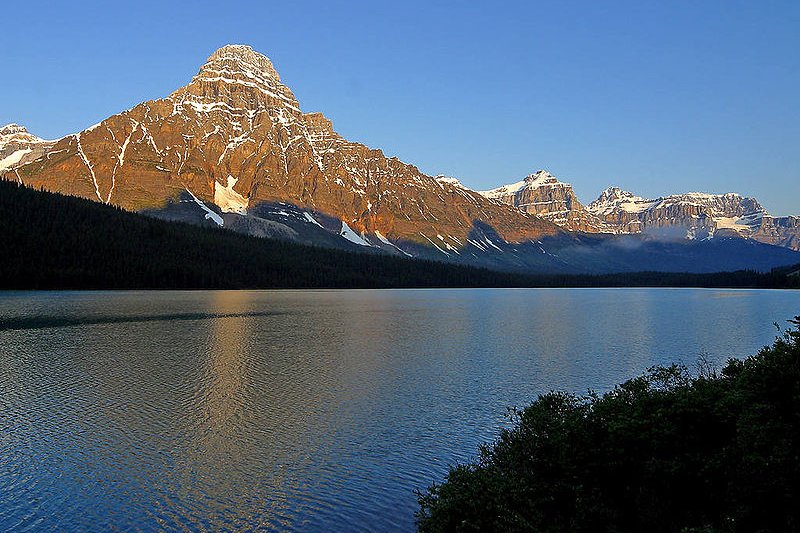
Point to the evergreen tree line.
(52, 241)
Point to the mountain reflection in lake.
(307, 410)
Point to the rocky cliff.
(543, 195)
(695, 216)
(678, 216)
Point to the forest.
(52, 241)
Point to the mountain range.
(691, 215)
(233, 148)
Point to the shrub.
(666, 451)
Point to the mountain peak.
(16, 133)
(18, 146)
(531, 181)
(614, 193)
(11, 129)
(539, 174)
(236, 77)
(616, 198)
(541, 177)
(240, 58)
(441, 178)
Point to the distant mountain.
(233, 148)
(543, 195)
(696, 216)
(680, 216)
(18, 147)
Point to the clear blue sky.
(656, 97)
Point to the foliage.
(666, 451)
(53, 241)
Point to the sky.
(654, 97)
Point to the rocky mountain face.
(235, 141)
(18, 147)
(679, 216)
(695, 216)
(543, 195)
(780, 231)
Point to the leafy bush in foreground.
(662, 452)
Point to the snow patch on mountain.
(210, 215)
(228, 200)
(352, 236)
(15, 157)
(381, 237)
(311, 219)
(450, 181)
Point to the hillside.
(59, 242)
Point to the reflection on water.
(307, 410)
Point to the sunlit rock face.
(543, 195)
(235, 138)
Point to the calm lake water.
(307, 410)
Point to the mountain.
(543, 195)
(233, 148)
(18, 147)
(696, 216)
(234, 140)
(679, 216)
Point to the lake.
(308, 410)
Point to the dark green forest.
(52, 241)
(671, 450)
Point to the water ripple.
(47, 321)
(304, 410)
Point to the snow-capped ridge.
(18, 146)
(543, 195)
(701, 214)
(728, 204)
(441, 178)
(12, 128)
(531, 181)
(15, 132)
(617, 198)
